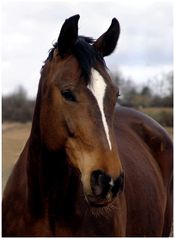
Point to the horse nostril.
(100, 183)
(118, 185)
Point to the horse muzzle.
(104, 188)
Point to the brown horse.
(88, 169)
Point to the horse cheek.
(52, 134)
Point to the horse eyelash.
(68, 95)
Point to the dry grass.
(170, 131)
(156, 110)
(14, 137)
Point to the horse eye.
(68, 95)
(117, 95)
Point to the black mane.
(86, 55)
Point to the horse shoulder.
(152, 135)
(145, 150)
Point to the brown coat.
(143, 209)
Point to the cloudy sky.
(29, 27)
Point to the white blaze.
(98, 88)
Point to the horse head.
(77, 109)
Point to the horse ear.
(68, 35)
(106, 43)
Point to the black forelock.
(86, 55)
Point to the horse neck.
(50, 178)
(55, 173)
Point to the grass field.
(156, 110)
(162, 115)
(14, 137)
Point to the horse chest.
(107, 222)
(86, 228)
